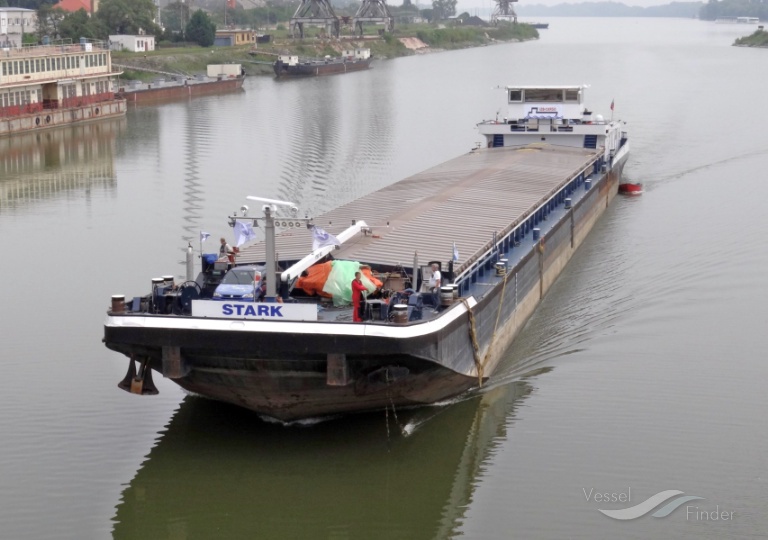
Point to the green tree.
(201, 29)
(26, 4)
(443, 9)
(128, 16)
(80, 24)
(175, 16)
(48, 20)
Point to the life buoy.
(48, 119)
(96, 111)
(37, 121)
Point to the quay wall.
(49, 118)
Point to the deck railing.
(58, 46)
(506, 243)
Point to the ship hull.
(313, 69)
(51, 118)
(183, 91)
(294, 370)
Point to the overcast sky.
(487, 5)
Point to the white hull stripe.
(291, 327)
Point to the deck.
(465, 200)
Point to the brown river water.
(642, 371)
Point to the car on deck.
(242, 283)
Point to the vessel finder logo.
(672, 497)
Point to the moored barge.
(350, 60)
(220, 78)
(44, 86)
(500, 223)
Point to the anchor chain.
(394, 411)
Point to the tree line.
(116, 17)
(734, 8)
(177, 21)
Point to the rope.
(475, 346)
(498, 316)
(480, 364)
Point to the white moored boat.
(44, 86)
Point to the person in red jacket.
(358, 301)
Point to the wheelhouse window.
(549, 95)
(515, 96)
(572, 95)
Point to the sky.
(487, 5)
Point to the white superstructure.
(555, 115)
(47, 85)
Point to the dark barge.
(512, 214)
(351, 60)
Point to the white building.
(13, 23)
(132, 43)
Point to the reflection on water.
(35, 166)
(219, 472)
(337, 130)
(195, 140)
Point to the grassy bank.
(191, 60)
(758, 39)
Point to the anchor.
(140, 383)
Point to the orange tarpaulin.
(313, 282)
(367, 273)
(317, 275)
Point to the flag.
(204, 236)
(321, 238)
(455, 252)
(612, 104)
(243, 232)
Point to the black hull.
(313, 69)
(287, 378)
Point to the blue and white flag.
(321, 238)
(455, 253)
(244, 232)
(204, 236)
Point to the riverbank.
(758, 39)
(413, 39)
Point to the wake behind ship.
(499, 223)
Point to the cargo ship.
(350, 60)
(499, 224)
(220, 78)
(44, 86)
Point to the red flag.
(612, 104)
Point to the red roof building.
(76, 5)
